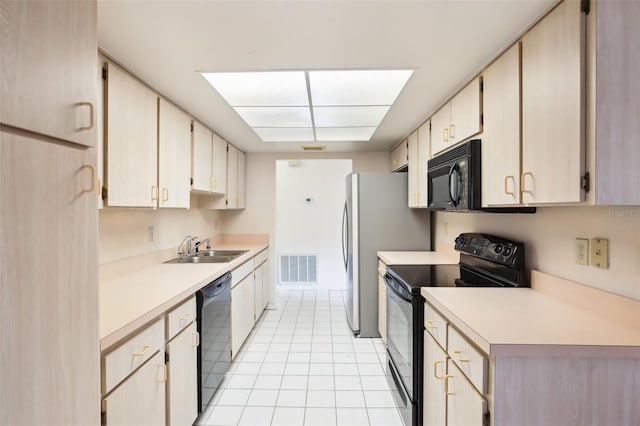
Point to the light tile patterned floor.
(301, 365)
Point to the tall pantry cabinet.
(49, 342)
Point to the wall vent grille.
(299, 269)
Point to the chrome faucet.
(199, 243)
(187, 245)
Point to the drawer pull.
(446, 385)
(458, 356)
(163, 368)
(197, 339)
(145, 349)
(185, 317)
(435, 370)
(430, 324)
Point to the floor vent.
(299, 269)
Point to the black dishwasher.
(214, 326)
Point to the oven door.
(400, 332)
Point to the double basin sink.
(209, 256)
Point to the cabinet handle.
(524, 186)
(154, 193)
(197, 336)
(458, 356)
(435, 370)
(446, 385)
(163, 368)
(429, 324)
(165, 194)
(99, 191)
(93, 177)
(445, 134)
(452, 131)
(506, 190)
(145, 349)
(91, 115)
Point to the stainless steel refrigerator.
(376, 218)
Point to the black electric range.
(485, 261)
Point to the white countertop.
(133, 296)
(418, 257)
(532, 322)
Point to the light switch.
(582, 251)
(600, 253)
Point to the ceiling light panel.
(269, 88)
(340, 134)
(284, 134)
(275, 116)
(357, 87)
(349, 116)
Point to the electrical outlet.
(582, 251)
(600, 253)
(150, 231)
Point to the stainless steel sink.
(209, 256)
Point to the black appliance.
(213, 304)
(485, 261)
(454, 181)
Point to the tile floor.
(301, 365)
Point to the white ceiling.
(446, 42)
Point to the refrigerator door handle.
(344, 235)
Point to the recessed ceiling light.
(303, 106)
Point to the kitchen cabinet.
(241, 180)
(418, 153)
(553, 62)
(501, 131)
(140, 399)
(399, 158)
(174, 156)
(435, 371)
(261, 282)
(266, 288)
(131, 141)
(235, 182)
(182, 386)
(47, 51)
(465, 406)
(459, 119)
(209, 161)
(242, 312)
(258, 297)
(382, 301)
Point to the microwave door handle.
(453, 198)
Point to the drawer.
(242, 271)
(261, 257)
(180, 317)
(470, 360)
(382, 268)
(131, 354)
(435, 324)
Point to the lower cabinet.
(182, 386)
(140, 399)
(257, 299)
(242, 312)
(435, 371)
(465, 406)
(266, 288)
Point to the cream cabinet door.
(440, 122)
(140, 399)
(266, 288)
(182, 398)
(47, 52)
(466, 108)
(241, 180)
(232, 177)
(424, 146)
(552, 107)
(465, 406)
(131, 141)
(201, 158)
(242, 312)
(399, 156)
(257, 294)
(435, 369)
(174, 156)
(501, 132)
(49, 292)
(219, 165)
(412, 175)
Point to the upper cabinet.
(553, 160)
(399, 158)
(459, 119)
(418, 153)
(235, 182)
(209, 161)
(131, 141)
(501, 132)
(174, 155)
(241, 180)
(47, 52)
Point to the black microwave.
(454, 181)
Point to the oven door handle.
(392, 284)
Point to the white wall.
(549, 237)
(123, 233)
(312, 227)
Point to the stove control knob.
(498, 248)
(459, 240)
(507, 251)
